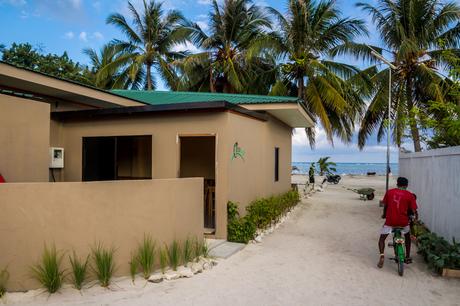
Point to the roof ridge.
(207, 94)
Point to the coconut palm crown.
(118, 76)
(151, 39)
(227, 61)
(415, 33)
(308, 32)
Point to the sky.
(73, 25)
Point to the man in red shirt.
(398, 205)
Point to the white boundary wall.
(434, 176)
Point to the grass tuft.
(79, 269)
(204, 249)
(174, 255)
(4, 277)
(133, 266)
(48, 271)
(146, 256)
(200, 248)
(163, 259)
(104, 265)
(188, 251)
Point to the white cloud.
(203, 25)
(24, 14)
(97, 5)
(75, 3)
(69, 35)
(83, 36)
(204, 2)
(185, 47)
(98, 35)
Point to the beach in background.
(353, 168)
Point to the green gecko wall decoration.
(238, 152)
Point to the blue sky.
(71, 25)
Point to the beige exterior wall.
(165, 132)
(236, 180)
(24, 139)
(75, 216)
(254, 177)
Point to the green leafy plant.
(133, 266)
(163, 259)
(174, 254)
(261, 214)
(4, 277)
(438, 252)
(104, 265)
(146, 256)
(79, 269)
(48, 271)
(188, 250)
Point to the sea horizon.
(344, 168)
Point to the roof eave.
(159, 109)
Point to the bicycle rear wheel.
(400, 259)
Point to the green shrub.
(241, 230)
(163, 260)
(438, 252)
(104, 265)
(133, 266)
(188, 251)
(48, 271)
(146, 256)
(4, 277)
(261, 213)
(174, 255)
(79, 269)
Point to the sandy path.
(325, 254)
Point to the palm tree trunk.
(149, 76)
(301, 87)
(412, 120)
(211, 81)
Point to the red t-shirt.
(398, 202)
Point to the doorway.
(198, 159)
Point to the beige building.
(239, 144)
(58, 135)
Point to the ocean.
(353, 168)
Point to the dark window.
(277, 164)
(117, 158)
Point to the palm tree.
(228, 62)
(326, 166)
(414, 32)
(118, 76)
(151, 40)
(309, 31)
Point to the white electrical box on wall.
(56, 157)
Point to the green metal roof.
(174, 97)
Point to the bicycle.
(399, 243)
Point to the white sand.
(324, 254)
